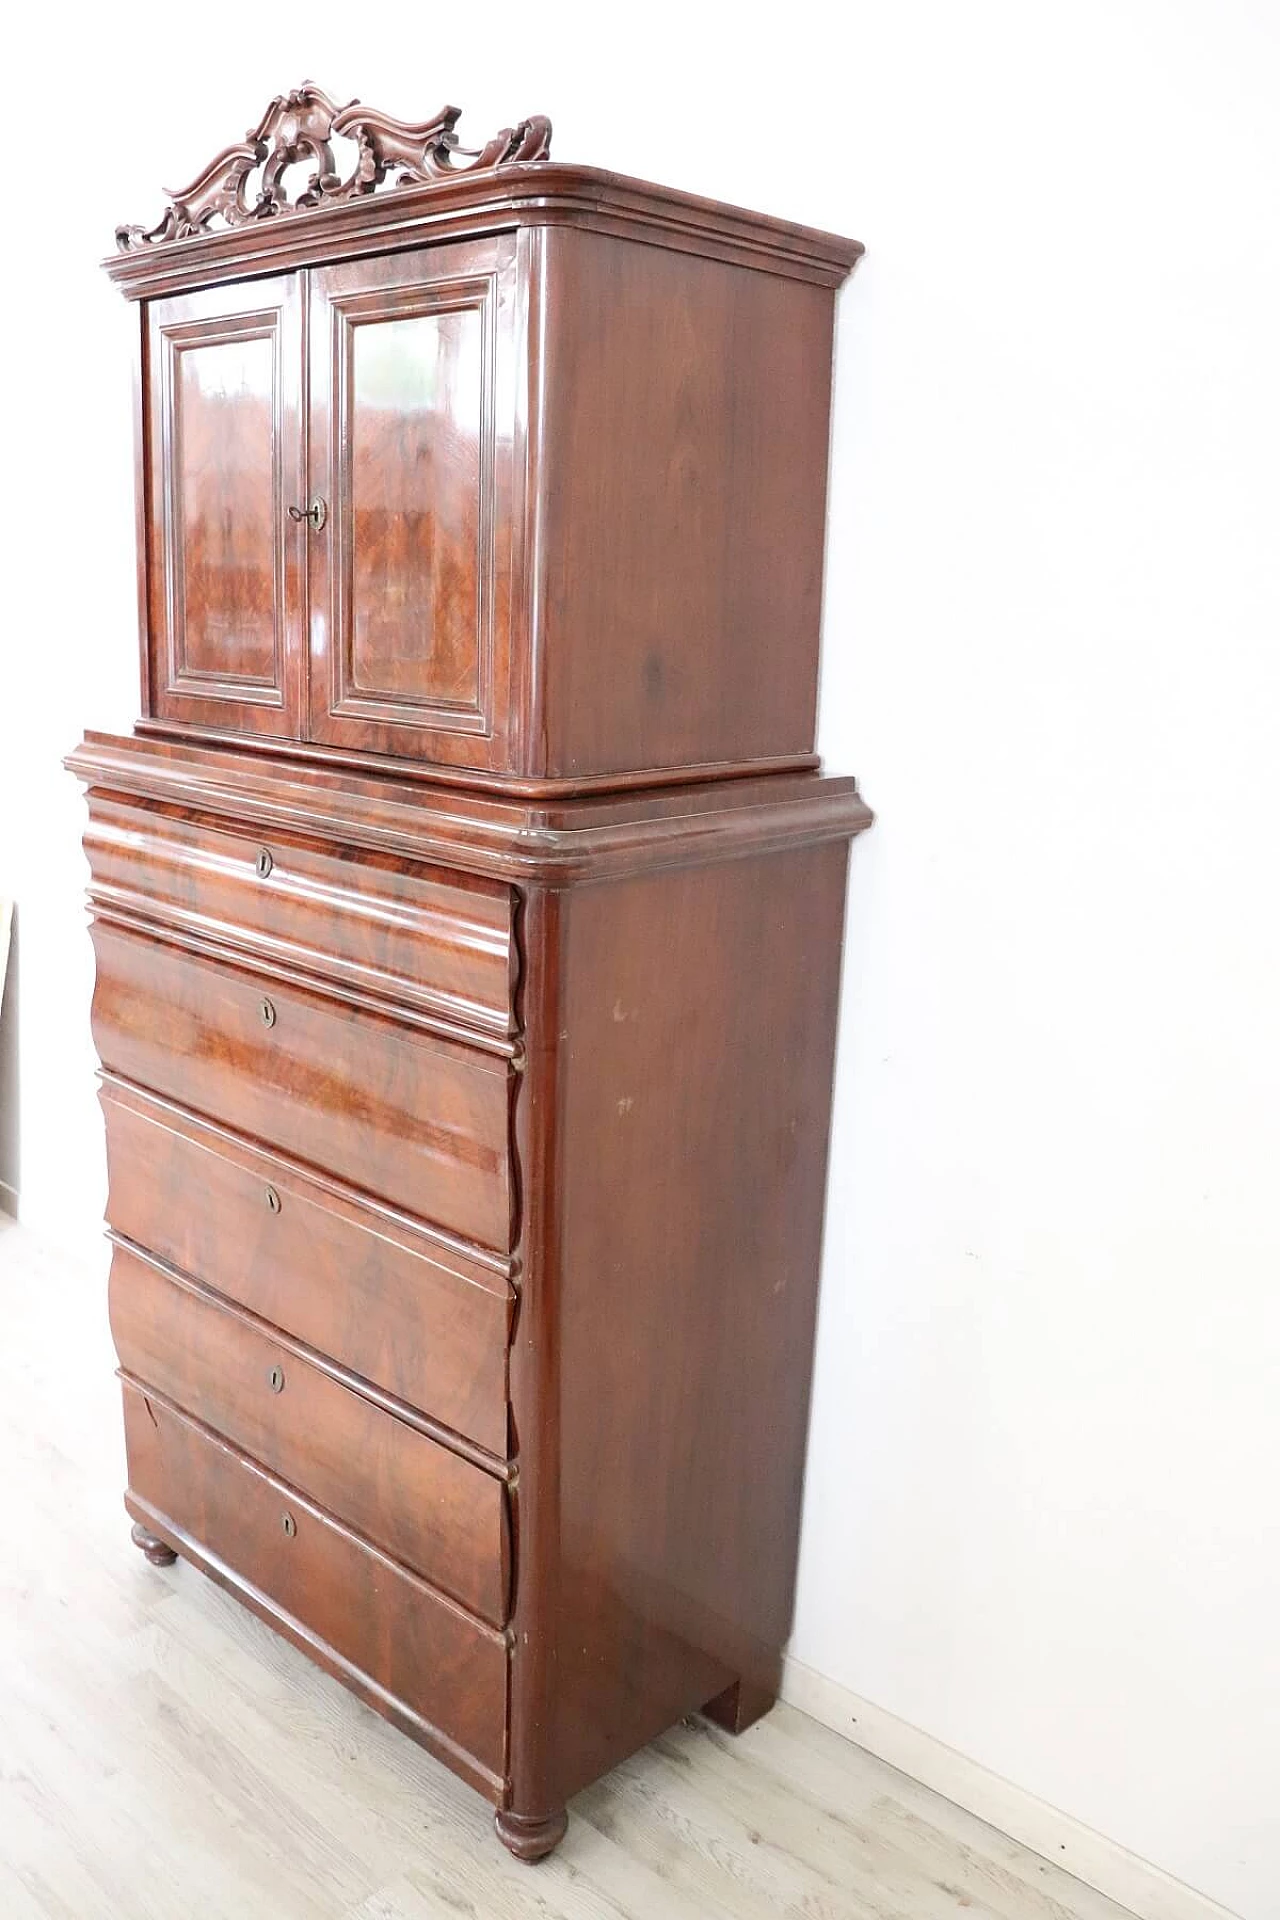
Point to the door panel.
(225, 461)
(412, 421)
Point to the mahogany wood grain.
(390, 927)
(408, 1118)
(678, 1243)
(413, 404)
(468, 909)
(681, 502)
(435, 1513)
(223, 446)
(572, 490)
(525, 841)
(545, 195)
(414, 1655)
(404, 1310)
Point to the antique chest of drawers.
(467, 908)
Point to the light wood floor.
(164, 1757)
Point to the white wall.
(1042, 1509)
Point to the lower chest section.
(311, 1061)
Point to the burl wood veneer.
(467, 908)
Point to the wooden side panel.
(412, 1654)
(225, 434)
(682, 499)
(406, 1118)
(392, 1305)
(693, 1115)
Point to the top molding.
(213, 231)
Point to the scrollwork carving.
(297, 128)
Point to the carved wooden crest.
(297, 128)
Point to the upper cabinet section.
(513, 470)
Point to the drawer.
(402, 1309)
(388, 927)
(413, 1654)
(411, 1118)
(431, 1509)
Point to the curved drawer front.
(411, 1119)
(435, 1512)
(417, 1318)
(393, 928)
(414, 1654)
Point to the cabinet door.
(227, 579)
(413, 413)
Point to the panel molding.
(1145, 1889)
(465, 293)
(218, 687)
(192, 336)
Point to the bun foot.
(531, 1836)
(158, 1552)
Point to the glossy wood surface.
(411, 1653)
(388, 1109)
(224, 426)
(681, 498)
(386, 927)
(571, 496)
(542, 196)
(676, 1242)
(525, 841)
(412, 427)
(467, 912)
(402, 1310)
(431, 1510)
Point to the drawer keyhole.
(265, 863)
(289, 1525)
(273, 1200)
(268, 1013)
(276, 1377)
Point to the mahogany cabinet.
(468, 907)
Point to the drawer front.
(415, 1655)
(387, 927)
(414, 1120)
(414, 1317)
(432, 1510)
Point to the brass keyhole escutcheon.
(315, 515)
(276, 1377)
(268, 1013)
(288, 1525)
(273, 1200)
(264, 863)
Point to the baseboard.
(1103, 1864)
